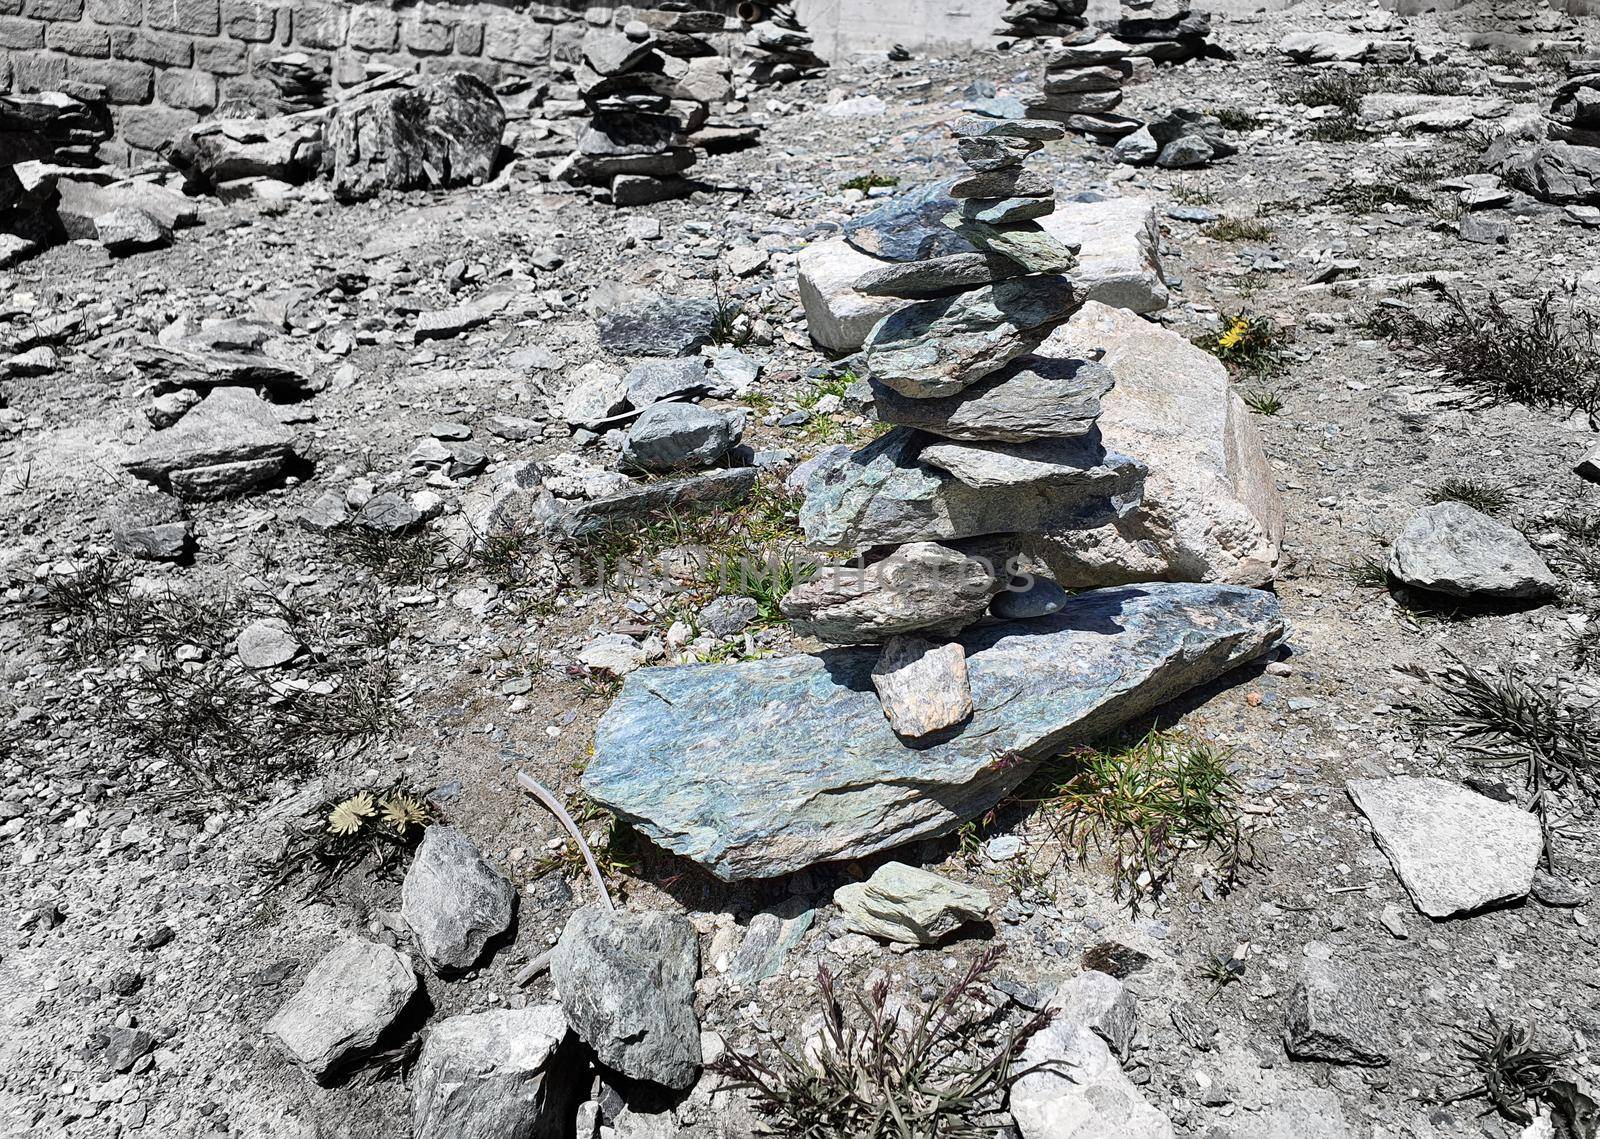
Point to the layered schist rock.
(1564, 167)
(780, 49)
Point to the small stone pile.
(1167, 31)
(1565, 167)
(1033, 19)
(646, 90)
(301, 82)
(1083, 86)
(781, 49)
(59, 130)
(989, 442)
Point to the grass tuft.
(870, 181)
(1369, 197)
(1485, 497)
(879, 1070)
(1239, 229)
(1263, 401)
(1146, 805)
(1509, 1069)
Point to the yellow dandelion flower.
(1235, 334)
(402, 811)
(349, 816)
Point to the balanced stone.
(923, 687)
(938, 347)
(974, 126)
(883, 494)
(1016, 182)
(939, 276)
(1004, 211)
(1036, 397)
(995, 153)
(998, 465)
(690, 757)
(1029, 245)
(922, 586)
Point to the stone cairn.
(1040, 19)
(639, 87)
(1564, 166)
(781, 49)
(58, 129)
(992, 442)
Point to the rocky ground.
(157, 914)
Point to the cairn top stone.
(976, 126)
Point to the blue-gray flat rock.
(883, 494)
(765, 767)
(908, 226)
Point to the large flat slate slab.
(765, 767)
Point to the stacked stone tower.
(991, 442)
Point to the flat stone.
(130, 230)
(995, 152)
(1325, 47)
(659, 326)
(937, 347)
(973, 126)
(714, 488)
(1038, 397)
(388, 513)
(453, 900)
(346, 1002)
(1210, 509)
(688, 754)
(1005, 211)
(1010, 465)
(1484, 231)
(1072, 1087)
(150, 525)
(596, 395)
(657, 380)
(1455, 851)
(616, 653)
(909, 905)
(729, 616)
(1453, 549)
(907, 227)
(266, 644)
(679, 437)
(922, 586)
(1412, 111)
(1026, 243)
(504, 1073)
(1015, 182)
(229, 426)
(626, 982)
(445, 324)
(922, 686)
(937, 276)
(883, 494)
(1332, 1015)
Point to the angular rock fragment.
(232, 442)
(679, 437)
(1038, 397)
(1453, 549)
(1332, 1015)
(659, 326)
(922, 686)
(689, 756)
(909, 905)
(151, 525)
(1072, 1087)
(346, 1002)
(453, 900)
(1455, 851)
(627, 986)
(505, 1073)
(921, 586)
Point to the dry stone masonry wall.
(164, 64)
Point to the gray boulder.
(1036, 397)
(680, 437)
(150, 525)
(1455, 851)
(688, 754)
(1332, 1015)
(230, 443)
(627, 986)
(1552, 171)
(128, 229)
(453, 900)
(921, 586)
(883, 494)
(909, 905)
(343, 1006)
(1453, 549)
(659, 326)
(443, 132)
(501, 1074)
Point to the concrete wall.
(845, 26)
(165, 63)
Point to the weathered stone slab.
(768, 766)
(1453, 549)
(347, 1001)
(882, 494)
(1333, 1015)
(1454, 850)
(922, 686)
(231, 427)
(444, 132)
(1036, 397)
(921, 586)
(938, 275)
(1073, 1088)
(500, 1074)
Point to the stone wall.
(166, 63)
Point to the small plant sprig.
(1239, 229)
(1509, 1069)
(877, 1074)
(870, 181)
(1485, 497)
(338, 835)
(1263, 401)
(1249, 343)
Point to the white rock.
(266, 644)
(343, 1006)
(1083, 1094)
(1211, 510)
(616, 653)
(1454, 850)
